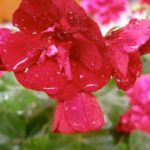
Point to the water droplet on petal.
(34, 33)
(26, 70)
(20, 63)
(51, 90)
(90, 87)
(81, 76)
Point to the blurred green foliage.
(26, 118)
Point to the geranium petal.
(90, 81)
(45, 77)
(134, 71)
(34, 16)
(88, 53)
(135, 64)
(131, 37)
(124, 83)
(19, 52)
(144, 49)
(79, 114)
(68, 92)
(60, 123)
(79, 20)
(120, 61)
(4, 34)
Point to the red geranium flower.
(126, 45)
(59, 50)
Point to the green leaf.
(102, 140)
(121, 146)
(11, 126)
(37, 143)
(139, 141)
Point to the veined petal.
(144, 49)
(78, 19)
(88, 80)
(131, 37)
(134, 71)
(135, 64)
(34, 16)
(120, 61)
(19, 52)
(79, 114)
(88, 53)
(68, 92)
(45, 77)
(4, 34)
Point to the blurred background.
(26, 116)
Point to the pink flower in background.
(135, 119)
(140, 93)
(138, 116)
(106, 11)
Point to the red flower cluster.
(138, 117)
(60, 50)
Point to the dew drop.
(81, 76)
(66, 108)
(20, 63)
(74, 108)
(118, 80)
(51, 90)
(90, 87)
(26, 70)
(70, 12)
(36, 75)
(34, 33)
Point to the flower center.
(57, 43)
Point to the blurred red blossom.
(58, 50)
(145, 2)
(138, 116)
(105, 11)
